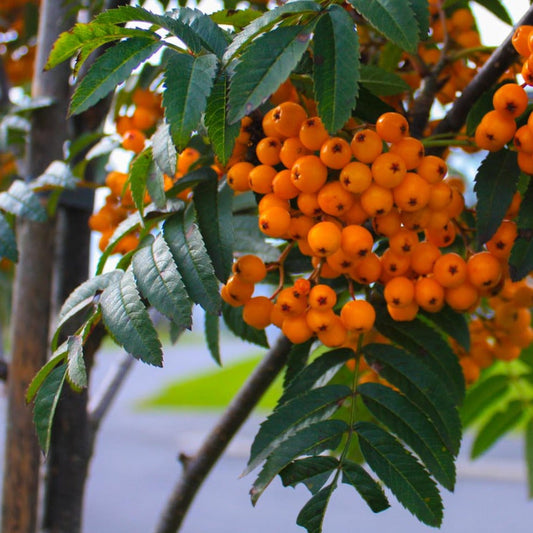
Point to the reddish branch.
(196, 469)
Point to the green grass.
(211, 389)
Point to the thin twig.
(503, 57)
(198, 467)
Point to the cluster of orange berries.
(502, 331)
(119, 202)
(334, 197)
(146, 113)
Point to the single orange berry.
(358, 316)
(392, 127)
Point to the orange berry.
(322, 297)
(269, 125)
(300, 226)
(358, 316)
(441, 237)
(429, 294)
(291, 150)
(366, 145)
(368, 269)
(250, 268)
(471, 370)
(356, 214)
(283, 186)
(377, 200)
(523, 139)
(309, 174)
(440, 196)
(312, 133)
(335, 335)
(423, 257)
(356, 177)
(392, 127)
(238, 291)
(274, 221)
(462, 297)
(144, 118)
(356, 241)
(288, 117)
(411, 150)
(501, 243)
(340, 262)
(238, 176)
(133, 140)
(308, 204)
(388, 170)
(450, 270)
(510, 99)
(403, 314)
(296, 329)
(484, 270)
(186, 159)
(495, 130)
(271, 200)
(334, 199)
(403, 241)
(399, 291)
(416, 220)
(291, 302)
(261, 178)
(319, 320)
(387, 224)
(324, 238)
(267, 151)
(335, 153)
(123, 124)
(256, 312)
(412, 193)
(432, 168)
(393, 264)
(520, 39)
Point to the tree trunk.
(32, 286)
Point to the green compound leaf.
(497, 426)
(58, 356)
(335, 67)
(318, 373)
(313, 512)
(138, 177)
(311, 440)
(45, 405)
(21, 201)
(313, 472)
(233, 319)
(163, 149)
(356, 476)
(382, 82)
(188, 82)
(369, 106)
(266, 21)
(8, 242)
(428, 345)
(159, 281)
(394, 19)
(521, 260)
(296, 361)
(421, 386)
(112, 68)
(221, 132)
(194, 28)
(212, 336)
(264, 66)
(194, 264)
(401, 472)
(452, 323)
(421, 12)
(496, 182)
(482, 396)
(410, 424)
(213, 207)
(236, 18)
(291, 417)
(128, 322)
(83, 39)
(76, 370)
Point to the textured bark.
(32, 288)
(196, 469)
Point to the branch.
(198, 467)
(100, 404)
(503, 57)
(4, 369)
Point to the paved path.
(135, 466)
